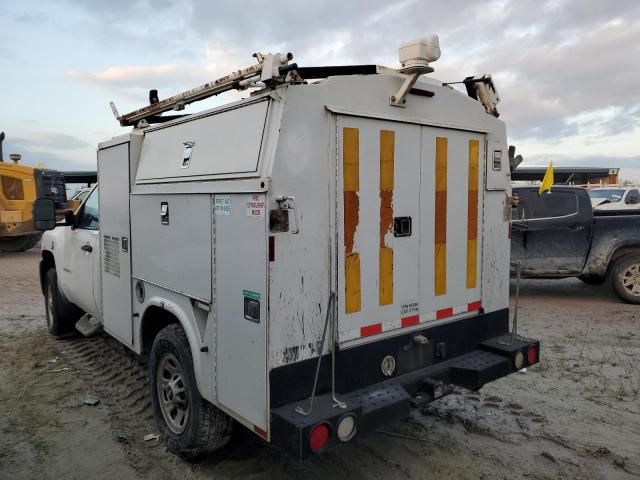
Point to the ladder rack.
(268, 70)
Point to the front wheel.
(625, 278)
(61, 314)
(190, 425)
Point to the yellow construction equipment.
(20, 185)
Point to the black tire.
(625, 278)
(189, 425)
(592, 279)
(61, 314)
(19, 244)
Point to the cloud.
(42, 141)
(564, 68)
(55, 161)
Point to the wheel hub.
(172, 393)
(631, 279)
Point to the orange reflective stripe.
(351, 180)
(472, 214)
(385, 276)
(440, 238)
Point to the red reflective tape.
(473, 306)
(260, 432)
(410, 321)
(444, 313)
(371, 330)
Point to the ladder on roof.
(269, 69)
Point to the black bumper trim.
(391, 400)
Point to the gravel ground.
(576, 415)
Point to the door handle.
(575, 227)
(86, 248)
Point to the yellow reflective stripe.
(352, 283)
(440, 248)
(472, 214)
(385, 266)
(351, 159)
(351, 180)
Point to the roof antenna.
(1, 140)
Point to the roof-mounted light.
(415, 57)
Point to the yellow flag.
(547, 181)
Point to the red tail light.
(319, 437)
(532, 354)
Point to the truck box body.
(242, 220)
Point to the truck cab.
(74, 249)
(557, 234)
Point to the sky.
(566, 70)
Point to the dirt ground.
(574, 416)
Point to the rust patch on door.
(386, 215)
(351, 219)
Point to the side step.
(88, 326)
(477, 368)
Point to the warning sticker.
(408, 308)
(222, 205)
(255, 206)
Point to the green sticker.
(250, 294)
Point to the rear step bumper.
(389, 401)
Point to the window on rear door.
(89, 215)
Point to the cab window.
(532, 206)
(89, 216)
(12, 188)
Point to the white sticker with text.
(255, 206)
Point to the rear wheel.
(19, 244)
(190, 425)
(592, 279)
(61, 314)
(625, 278)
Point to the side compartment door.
(240, 294)
(113, 171)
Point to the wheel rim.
(631, 279)
(174, 402)
(49, 314)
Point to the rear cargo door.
(379, 226)
(409, 221)
(451, 178)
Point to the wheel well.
(635, 250)
(48, 262)
(154, 320)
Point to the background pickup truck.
(558, 235)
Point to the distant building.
(569, 175)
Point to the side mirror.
(44, 214)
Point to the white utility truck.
(310, 261)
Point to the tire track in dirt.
(120, 380)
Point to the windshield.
(611, 194)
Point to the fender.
(605, 249)
(188, 323)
